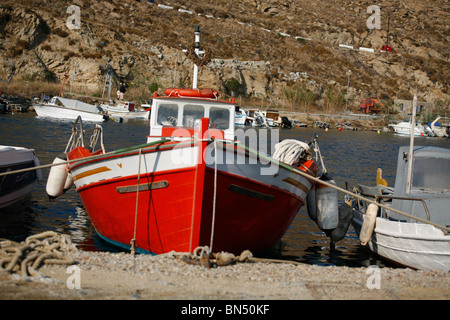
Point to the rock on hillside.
(283, 51)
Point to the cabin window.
(167, 114)
(431, 173)
(219, 118)
(192, 112)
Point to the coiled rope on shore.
(26, 257)
(203, 256)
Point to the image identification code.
(230, 309)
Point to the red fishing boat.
(192, 184)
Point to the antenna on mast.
(200, 57)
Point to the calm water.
(351, 156)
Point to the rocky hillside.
(292, 53)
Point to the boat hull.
(185, 204)
(57, 112)
(15, 187)
(414, 245)
(136, 115)
(122, 112)
(405, 129)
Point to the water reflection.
(305, 242)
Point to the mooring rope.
(133, 241)
(202, 256)
(214, 197)
(26, 257)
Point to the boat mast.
(411, 145)
(196, 51)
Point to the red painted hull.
(255, 221)
(181, 205)
(248, 215)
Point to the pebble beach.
(123, 276)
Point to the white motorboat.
(69, 109)
(16, 186)
(124, 111)
(404, 128)
(414, 229)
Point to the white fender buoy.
(327, 207)
(69, 182)
(368, 224)
(37, 163)
(311, 204)
(57, 177)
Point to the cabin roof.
(427, 151)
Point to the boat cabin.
(179, 116)
(273, 117)
(430, 184)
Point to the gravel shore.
(101, 275)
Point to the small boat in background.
(322, 125)
(256, 118)
(69, 109)
(347, 126)
(13, 104)
(438, 129)
(299, 124)
(404, 128)
(273, 118)
(16, 186)
(124, 110)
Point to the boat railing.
(378, 198)
(77, 137)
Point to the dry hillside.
(286, 53)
